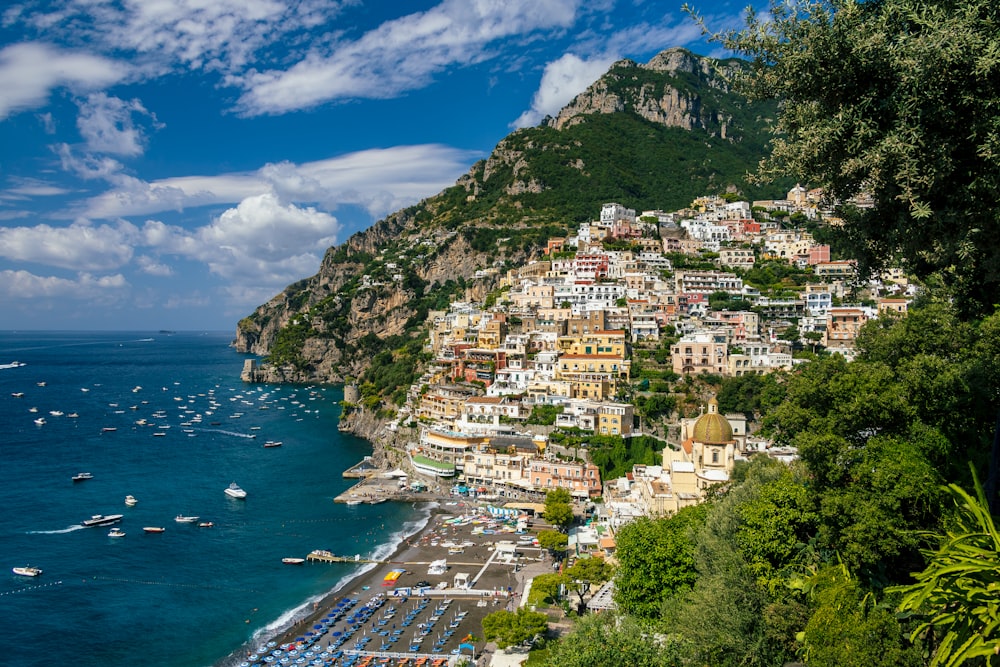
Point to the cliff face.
(647, 136)
(674, 99)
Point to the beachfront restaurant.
(442, 453)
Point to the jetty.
(323, 556)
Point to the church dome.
(712, 428)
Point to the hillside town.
(558, 347)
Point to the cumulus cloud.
(24, 285)
(107, 125)
(400, 55)
(562, 80)
(29, 71)
(78, 247)
(86, 166)
(151, 267)
(262, 240)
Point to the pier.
(321, 556)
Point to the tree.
(583, 574)
(509, 628)
(607, 639)
(896, 100)
(655, 561)
(558, 508)
(545, 588)
(553, 540)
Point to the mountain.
(651, 136)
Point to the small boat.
(27, 571)
(205, 524)
(130, 500)
(73, 415)
(153, 529)
(293, 561)
(234, 491)
(40, 384)
(180, 518)
(273, 443)
(354, 501)
(56, 413)
(116, 532)
(18, 394)
(109, 429)
(40, 421)
(159, 434)
(102, 520)
(81, 476)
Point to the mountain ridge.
(648, 136)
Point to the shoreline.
(464, 535)
(322, 602)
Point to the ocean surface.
(191, 595)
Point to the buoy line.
(31, 588)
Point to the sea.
(164, 417)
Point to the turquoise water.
(188, 596)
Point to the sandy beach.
(421, 615)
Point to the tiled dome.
(712, 428)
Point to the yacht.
(27, 571)
(116, 532)
(130, 500)
(234, 491)
(293, 561)
(102, 520)
(153, 529)
(81, 476)
(180, 518)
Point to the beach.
(417, 612)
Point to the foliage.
(597, 640)
(509, 628)
(615, 455)
(553, 540)
(955, 596)
(655, 561)
(558, 508)
(545, 588)
(544, 415)
(896, 99)
(848, 629)
(585, 573)
(751, 395)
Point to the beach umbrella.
(317, 627)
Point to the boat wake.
(13, 364)
(232, 433)
(71, 529)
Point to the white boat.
(234, 491)
(40, 421)
(27, 571)
(153, 529)
(273, 443)
(109, 429)
(293, 561)
(130, 500)
(180, 518)
(116, 532)
(18, 394)
(205, 524)
(102, 520)
(81, 476)
(56, 413)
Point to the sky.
(173, 164)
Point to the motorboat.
(40, 421)
(109, 429)
(273, 443)
(56, 413)
(81, 476)
(205, 524)
(293, 561)
(234, 491)
(116, 532)
(27, 571)
(130, 500)
(153, 529)
(180, 518)
(102, 520)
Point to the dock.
(322, 556)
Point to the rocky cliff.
(647, 136)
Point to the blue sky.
(172, 164)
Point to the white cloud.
(380, 180)
(151, 267)
(87, 166)
(23, 285)
(562, 80)
(26, 188)
(29, 71)
(221, 35)
(78, 247)
(400, 55)
(107, 126)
